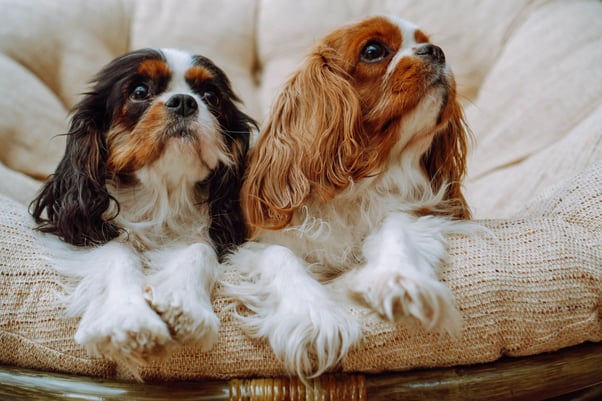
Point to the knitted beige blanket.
(535, 287)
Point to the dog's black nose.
(429, 50)
(183, 105)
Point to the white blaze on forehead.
(179, 62)
(407, 30)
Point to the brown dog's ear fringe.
(312, 144)
(445, 164)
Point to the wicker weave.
(325, 388)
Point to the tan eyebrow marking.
(198, 74)
(420, 37)
(154, 68)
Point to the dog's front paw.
(394, 295)
(309, 336)
(130, 333)
(188, 316)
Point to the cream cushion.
(532, 287)
(538, 115)
(530, 80)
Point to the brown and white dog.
(148, 192)
(350, 192)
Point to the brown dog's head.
(367, 93)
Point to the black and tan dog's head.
(160, 117)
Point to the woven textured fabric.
(535, 120)
(534, 287)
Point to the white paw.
(309, 335)
(188, 316)
(179, 291)
(396, 295)
(306, 328)
(310, 341)
(128, 332)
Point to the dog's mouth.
(182, 129)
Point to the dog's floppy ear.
(73, 202)
(445, 163)
(311, 145)
(227, 227)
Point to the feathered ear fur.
(227, 222)
(227, 227)
(73, 203)
(312, 144)
(445, 163)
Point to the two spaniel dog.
(347, 198)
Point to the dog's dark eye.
(140, 92)
(373, 52)
(210, 98)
